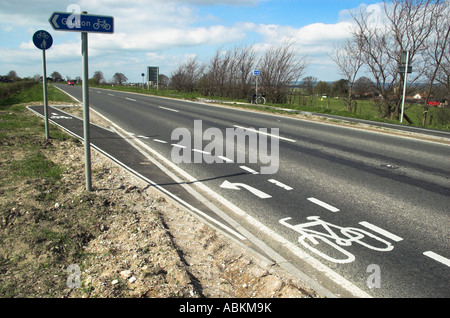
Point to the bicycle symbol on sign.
(338, 238)
(43, 35)
(103, 24)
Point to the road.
(369, 209)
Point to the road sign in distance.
(76, 22)
(42, 40)
(256, 73)
(152, 73)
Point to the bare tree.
(364, 87)
(98, 77)
(280, 67)
(437, 54)
(56, 77)
(119, 78)
(349, 59)
(186, 77)
(404, 25)
(245, 59)
(228, 73)
(12, 75)
(308, 84)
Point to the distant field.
(365, 108)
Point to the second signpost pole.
(87, 139)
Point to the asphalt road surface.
(368, 209)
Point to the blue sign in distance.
(76, 22)
(42, 39)
(256, 73)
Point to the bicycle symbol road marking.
(339, 237)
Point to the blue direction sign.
(42, 40)
(67, 21)
(256, 72)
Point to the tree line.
(375, 48)
(229, 73)
(378, 41)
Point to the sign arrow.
(235, 186)
(54, 23)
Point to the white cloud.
(154, 31)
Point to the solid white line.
(133, 100)
(381, 231)
(249, 169)
(324, 205)
(175, 197)
(160, 141)
(169, 109)
(280, 184)
(225, 159)
(437, 257)
(263, 133)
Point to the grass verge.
(43, 225)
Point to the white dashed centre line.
(324, 205)
(249, 170)
(437, 257)
(169, 109)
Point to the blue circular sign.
(42, 40)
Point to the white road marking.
(160, 141)
(263, 133)
(236, 186)
(280, 184)
(169, 109)
(381, 231)
(437, 257)
(324, 205)
(225, 159)
(201, 151)
(179, 146)
(144, 137)
(249, 169)
(110, 94)
(133, 100)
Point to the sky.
(166, 33)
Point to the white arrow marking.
(55, 24)
(235, 186)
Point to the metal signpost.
(84, 23)
(43, 41)
(256, 73)
(404, 68)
